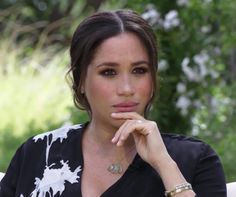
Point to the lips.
(126, 107)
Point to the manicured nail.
(119, 143)
(113, 140)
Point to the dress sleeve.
(209, 177)
(9, 182)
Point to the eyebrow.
(116, 64)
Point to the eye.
(140, 70)
(108, 72)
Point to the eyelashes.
(140, 70)
(110, 72)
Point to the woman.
(118, 152)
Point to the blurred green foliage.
(197, 69)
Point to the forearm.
(171, 175)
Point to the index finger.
(127, 116)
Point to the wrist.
(163, 162)
(171, 175)
(180, 189)
(168, 171)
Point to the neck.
(100, 135)
(97, 143)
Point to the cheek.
(145, 88)
(98, 89)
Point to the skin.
(120, 73)
(117, 74)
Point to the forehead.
(124, 38)
(124, 46)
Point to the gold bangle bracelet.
(178, 189)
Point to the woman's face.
(118, 78)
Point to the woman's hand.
(150, 147)
(148, 141)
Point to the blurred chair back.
(1, 176)
(231, 189)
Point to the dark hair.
(92, 32)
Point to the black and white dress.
(51, 164)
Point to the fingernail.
(113, 140)
(119, 143)
(113, 114)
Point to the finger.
(142, 127)
(130, 126)
(127, 116)
(124, 116)
(125, 132)
(116, 137)
(137, 128)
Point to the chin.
(117, 123)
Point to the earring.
(152, 94)
(82, 90)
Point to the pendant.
(115, 168)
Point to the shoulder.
(60, 133)
(195, 158)
(47, 148)
(199, 164)
(57, 135)
(51, 143)
(43, 156)
(184, 149)
(180, 144)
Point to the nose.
(125, 86)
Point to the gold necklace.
(116, 167)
